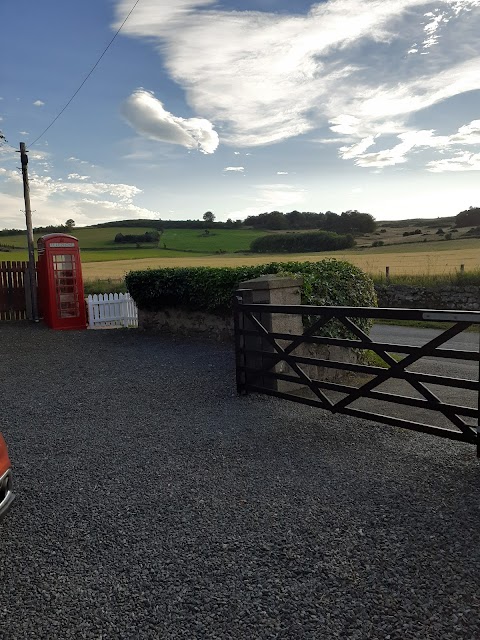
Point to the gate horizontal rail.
(277, 349)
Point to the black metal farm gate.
(278, 363)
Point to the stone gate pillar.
(271, 289)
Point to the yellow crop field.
(407, 260)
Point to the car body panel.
(6, 495)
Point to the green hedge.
(301, 242)
(328, 282)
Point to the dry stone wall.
(409, 297)
(177, 321)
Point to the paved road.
(467, 341)
(152, 502)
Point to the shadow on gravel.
(152, 502)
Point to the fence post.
(387, 274)
(90, 311)
(462, 268)
(240, 297)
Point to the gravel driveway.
(152, 502)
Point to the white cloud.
(147, 116)
(235, 169)
(23, 133)
(152, 16)
(38, 103)
(86, 201)
(357, 149)
(462, 161)
(77, 176)
(74, 159)
(282, 173)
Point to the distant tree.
(208, 217)
(70, 224)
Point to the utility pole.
(30, 241)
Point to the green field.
(102, 257)
(97, 245)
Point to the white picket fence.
(111, 310)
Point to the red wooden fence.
(12, 290)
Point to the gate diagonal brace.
(409, 376)
(276, 358)
(411, 379)
(283, 355)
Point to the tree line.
(347, 222)
(469, 217)
(302, 242)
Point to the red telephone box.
(60, 283)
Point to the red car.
(6, 495)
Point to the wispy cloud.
(298, 73)
(462, 161)
(38, 103)
(235, 169)
(467, 135)
(298, 61)
(147, 115)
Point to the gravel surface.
(152, 502)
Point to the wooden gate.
(450, 416)
(12, 290)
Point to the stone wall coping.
(271, 281)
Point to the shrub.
(378, 243)
(474, 231)
(328, 282)
(300, 242)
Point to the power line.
(87, 76)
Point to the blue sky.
(241, 107)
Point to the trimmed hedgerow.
(328, 282)
(301, 242)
